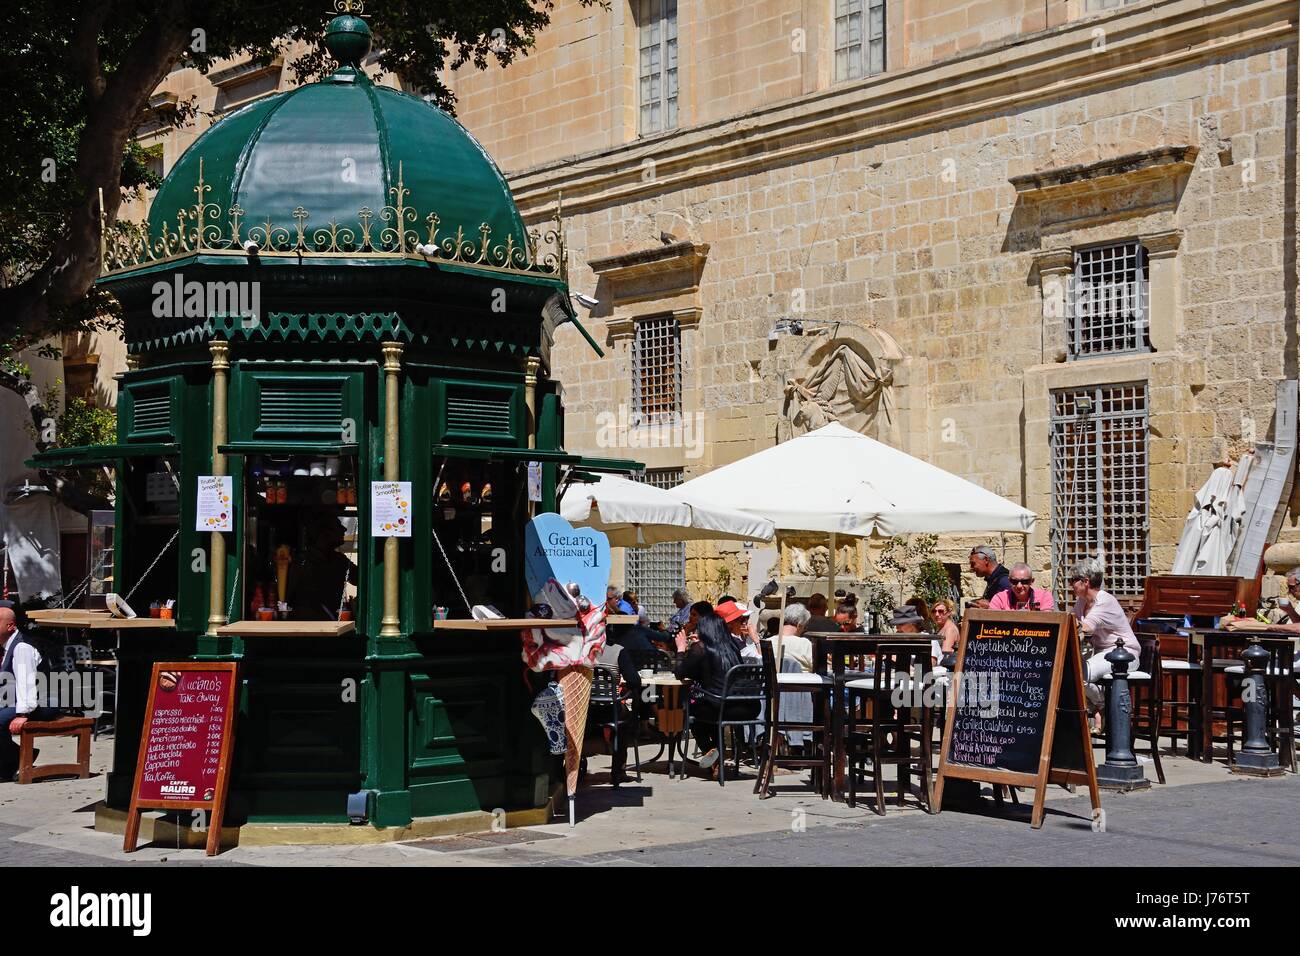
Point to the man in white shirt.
(20, 689)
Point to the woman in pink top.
(1022, 595)
(1103, 622)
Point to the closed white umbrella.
(838, 481)
(1207, 536)
(634, 514)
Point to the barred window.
(859, 45)
(657, 64)
(1108, 301)
(654, 573)
(1099, 484)
(656, 371)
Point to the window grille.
(1108, 301)
(859, 47)
(1099, 484)
(654, 573)
(657, 65)
(656, 371)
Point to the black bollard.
(1121, 771)
(1256, 757)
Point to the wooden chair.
(880, 726)
(778, 683)
(79, 727)
(606, 711)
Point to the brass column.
(531, 365)
(392, 623)
(217, 552)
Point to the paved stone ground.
(1204, 816)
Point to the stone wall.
(937, 220)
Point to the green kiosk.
(335, 289)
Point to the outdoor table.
(839, 645)
(1211, 640)
(670, 718)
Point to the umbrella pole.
(831, 587)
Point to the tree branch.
(84, 50)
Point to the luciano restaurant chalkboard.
(1015, 714)
(186, 744)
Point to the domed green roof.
(333, 149)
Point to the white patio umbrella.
(635, 514)
(1212, 524)
(838, 481)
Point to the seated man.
(846, 618)
(984, 563)
(790, 642)
(1022, 595)
(819, 623)
(24, 685)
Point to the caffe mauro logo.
(180, 299)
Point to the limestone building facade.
(1048, 246)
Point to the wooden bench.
(79, 727)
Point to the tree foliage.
(80, 74)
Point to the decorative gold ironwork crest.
(206, 228)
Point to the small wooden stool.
(79, 727)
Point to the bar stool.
(818, 757)
(887, 729)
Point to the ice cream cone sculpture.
(575, 683)
(283, 558)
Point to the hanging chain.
(234, 588)
(165, 549)
(453, 572)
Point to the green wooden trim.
(611, 465)
(508, 454)
(95, 456)
(289, 448)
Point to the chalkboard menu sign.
(1015, 714)
(185, 747)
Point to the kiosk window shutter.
(1099, 484)
(301, 406)
(151, 410)
(654, 573)
(478, 412)
(656, 371)
(1108, 303)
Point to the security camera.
(586, 301)
(251, 247)
(426, 248)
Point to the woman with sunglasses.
(946, 634)
(1022, 595)
(1103, 622)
